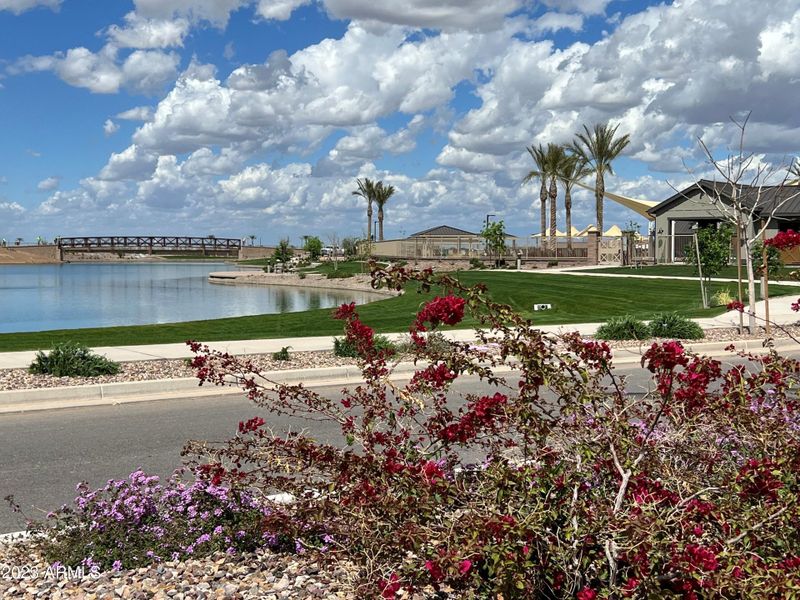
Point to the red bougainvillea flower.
(448, 310)
(587, 593)
(784, 240)
(464, 566)
(390, 588)
(796, 305)
(345, 312)
(250, 425)
(434, 570)
(758, 479)
(735, 305)
(665, 356)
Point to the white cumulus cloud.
(141, 32)
(144, 71)
(20, 6)
(49, 184)
(110, 128)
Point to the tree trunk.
(369, 221)
(553, 197)
(600, 190)
(543, 202)
(751, 287)
(380, 223)
(568, 211)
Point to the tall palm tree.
(553, 158)
(571, 169)
(539, 156)
(366, 189)
(382, 195)
(598, 148)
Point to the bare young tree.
(335, 243)
(748, 196)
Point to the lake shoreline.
(356, 283)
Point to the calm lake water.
(70, 296)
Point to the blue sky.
(239, 117)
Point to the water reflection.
(43, 297)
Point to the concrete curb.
(147, 391)
(170, 389)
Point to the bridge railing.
(148, 242)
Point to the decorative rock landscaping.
(263, 575)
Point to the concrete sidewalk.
(17, 360)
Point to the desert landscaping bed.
(262, 574)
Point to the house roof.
(788, 196)
(447, 231)
(443, 231)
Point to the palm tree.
(382, 195)
(571, 169)
(538, 154)
(553, 157)
(794, 172)
(366, 189)
(598, 148)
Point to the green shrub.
(476, 263)
(282, 354)
(552, 263)
(623, 328)
(673, 325)
(435, 343)
(722, 298)
(343, 348)
(339, 274)
(68, 359)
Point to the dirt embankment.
(29, 255)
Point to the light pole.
(487, 219)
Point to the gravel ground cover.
(19, 379)
(260, 575)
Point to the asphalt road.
(44, 454)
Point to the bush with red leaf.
(545, 481)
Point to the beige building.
(442, 241)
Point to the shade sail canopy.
(574, 230)
(638, 206)
(547, 234)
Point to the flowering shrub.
(138, 521)
(549, 481)
(784, 240)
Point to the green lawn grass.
(574, 299)
(350, 267)
(680, 271)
